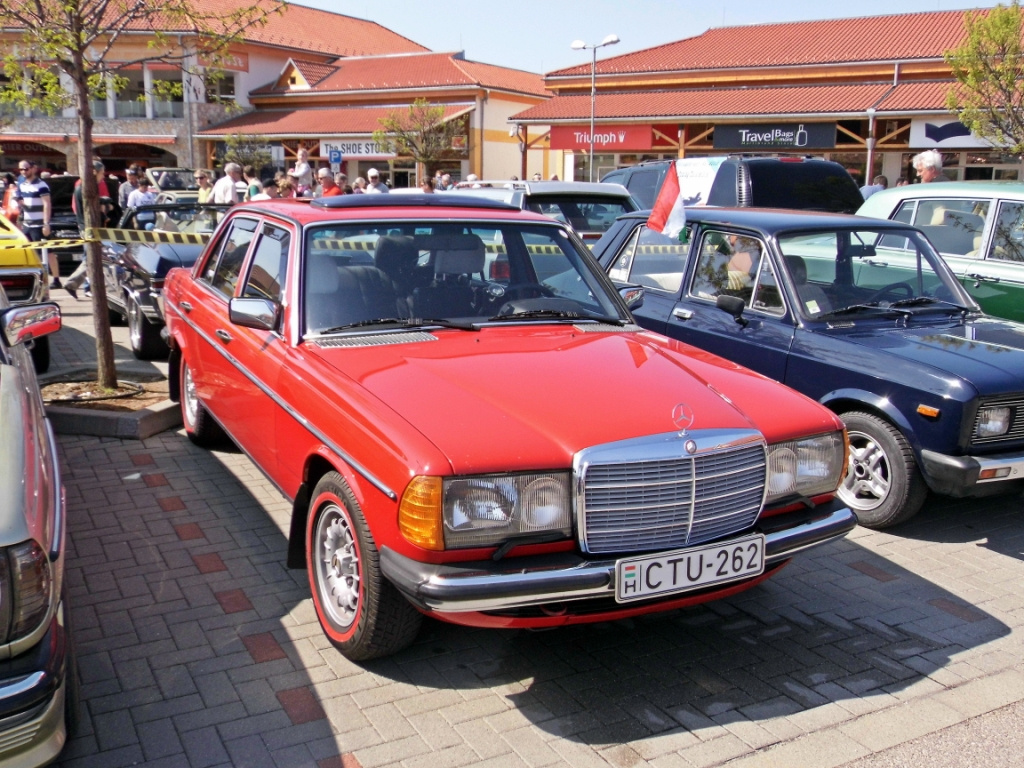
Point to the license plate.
(640, 578)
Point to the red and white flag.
(669, 215)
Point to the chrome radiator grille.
(649, 494)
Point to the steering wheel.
(527, 291)
(885, 290)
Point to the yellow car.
(24, 280)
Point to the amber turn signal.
(419, 513)
(928, 411)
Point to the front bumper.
(522, 582)
(32, 690)
(961, 475)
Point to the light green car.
(977, 226)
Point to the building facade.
(866, 92)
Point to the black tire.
(41, 355)
(360, 611)
(143, 336)
(200, 426)
(883, 485)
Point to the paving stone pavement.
(197, 647)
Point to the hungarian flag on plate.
(688, 182)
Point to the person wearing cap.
(374, 184)
(327, 184)
(128, 186)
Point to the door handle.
(682, 314)
(223, 335)
(185, 306)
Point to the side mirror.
(733, 305)
(30, 321)
(633, 295)
(261, 314)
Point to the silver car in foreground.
(38, 680)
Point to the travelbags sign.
(797, 136)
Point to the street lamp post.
(579, 45)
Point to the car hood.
(986, 352)
(531, 396)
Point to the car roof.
(438, 206)
(533, 188)
(771, 220)
(952, 189)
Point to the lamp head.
(578, 45)
(610, 40)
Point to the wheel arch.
(842, 401)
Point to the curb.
(137, 425)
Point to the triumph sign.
(607, 138)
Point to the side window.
(953, 226)
(269, 265)
(643, 186)
(732, 264)
(1008, 241)
(222, 272)
(653, 260)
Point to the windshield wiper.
(857, 308)
(405, 322)
(918, 300)
(539, 314)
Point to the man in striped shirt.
(33, 196)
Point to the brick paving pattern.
(198, 648)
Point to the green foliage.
(420, 132)
(989, 95)
(246, 149)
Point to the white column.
(147, 87)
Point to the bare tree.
(421, 132)
(68, 52)
(989, 94)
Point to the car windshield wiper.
(540, 314)
(405, 322)
(919, 300)
(873, 306)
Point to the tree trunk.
(106, 372)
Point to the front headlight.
(485, 510)
(26, 584)
(806, 467)
(992, 422)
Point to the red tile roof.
(878, 38)
(336, 121)
(308, 29)
(418, 71)
(313, 71)
(737, 102)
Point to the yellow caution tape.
(41, 245)
(146, 236)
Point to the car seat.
(813, 300)
(456, 258)
(339, 295)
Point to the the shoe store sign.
(772, 136)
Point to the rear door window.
(1008, 238)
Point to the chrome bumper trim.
(530, 581)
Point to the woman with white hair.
(928, 165)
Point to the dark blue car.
(859, 314)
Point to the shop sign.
(774, 136)
(607, 138)
(361, 148)
(233, 60)
(941, 132)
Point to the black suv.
(756, 182)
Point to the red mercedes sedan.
(470, 426)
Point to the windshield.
(449, 273)
(175, 178)
(584, 213)
(839, 272)
(196, 219)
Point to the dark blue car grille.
(1016, 432)
(641, 506)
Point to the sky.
(536, 35)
